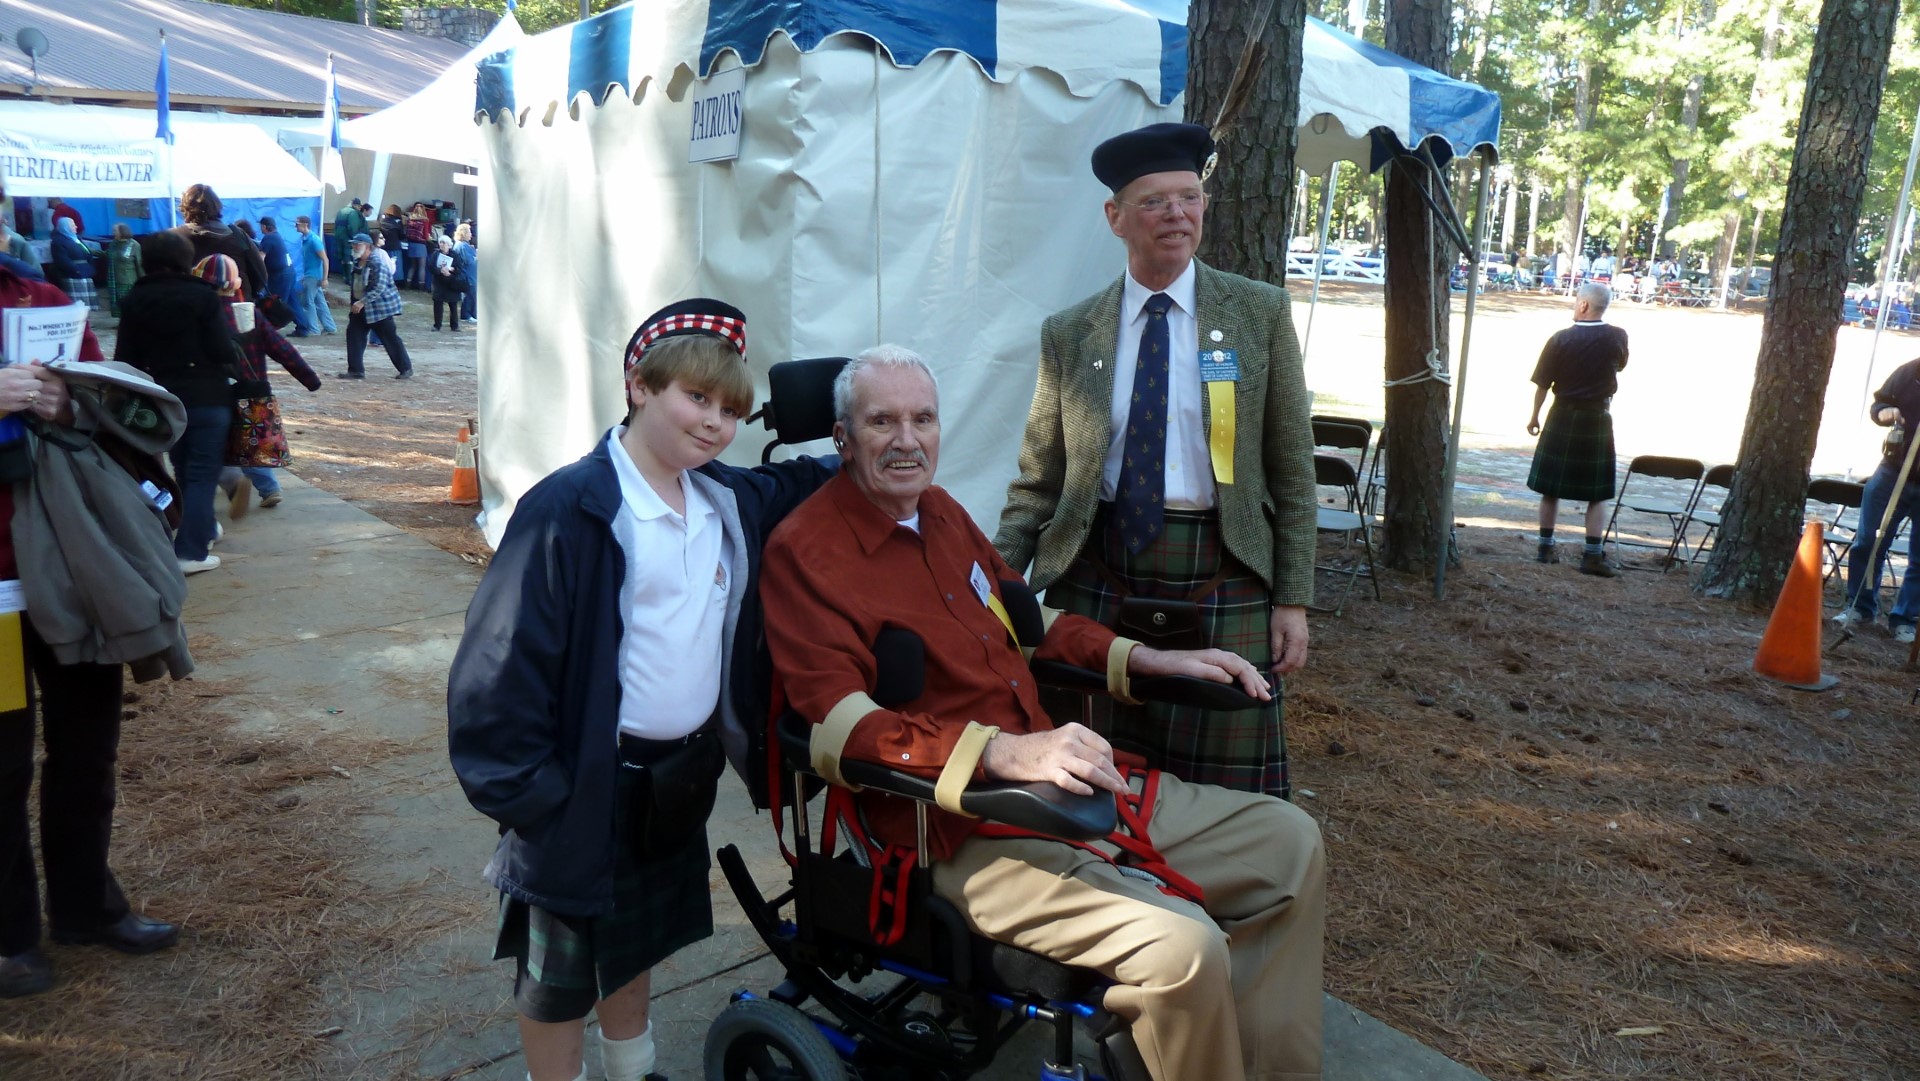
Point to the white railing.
(1353, 268)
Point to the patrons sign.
(718, 110)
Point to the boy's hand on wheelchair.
(1072, 756)
(1217, 665)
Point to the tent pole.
(1889, 263)
(1319, 252)
(1460, 379)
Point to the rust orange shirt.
(838, 570)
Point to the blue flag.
(162, 104)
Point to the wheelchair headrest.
(900, 658)
(800, 398)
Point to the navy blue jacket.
(70, 259)
(533, 698)
(283, 278)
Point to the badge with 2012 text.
(1219, 365)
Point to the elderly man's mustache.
(918, 457)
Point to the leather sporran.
(673, 796)
(1161, 624)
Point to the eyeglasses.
(1158, 204)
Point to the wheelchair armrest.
(1040, 806)
(1174, 690)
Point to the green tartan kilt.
(1574, 458)
(567, 963)
(1245, 750)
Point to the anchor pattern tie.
(1141, 493)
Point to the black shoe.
(351, 375)
(133, 933)
(1549, 552)
(408, 374)
(436, 326)
(28, 973)
(1598, 566)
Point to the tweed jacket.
(1267, 514)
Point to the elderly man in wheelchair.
(1001, 869)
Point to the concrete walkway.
(333, 619)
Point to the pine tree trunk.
(1252, 187)
(1845, 78)
(1416, 323)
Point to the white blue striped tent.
(911, 171)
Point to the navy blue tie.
(1141, 493)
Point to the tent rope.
(1436, 367)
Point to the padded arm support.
(961, 764)
(1177, 690)
(829, 737)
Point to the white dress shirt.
(673, 601)
(1189, 464)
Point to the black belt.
(637, 751)
(1597, 405)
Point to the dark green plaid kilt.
(567, 963)
(1574, 458)
(1244, 750)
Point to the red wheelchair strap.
(777, 705)
(887, 907)
(1130, 837)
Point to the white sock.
(582, 1077)
(627, 1060)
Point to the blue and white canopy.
(1349, 90)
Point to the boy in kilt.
(1574, 458)
(594, 689)
(1167, 467)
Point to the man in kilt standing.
(1574, 458)
(1166, 483)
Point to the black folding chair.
(1333, 471)
(1719, 477)
(1659, 504)
(1839, 503)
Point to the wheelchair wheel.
(762, 1040)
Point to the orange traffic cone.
(466, 472)
(1790, 649)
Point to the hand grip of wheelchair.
(1174, 690)
(1040, 806)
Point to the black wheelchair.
(922, 997)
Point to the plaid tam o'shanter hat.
(699, 315)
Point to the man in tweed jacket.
(1253, 521)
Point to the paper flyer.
(44, 334)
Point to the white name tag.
(13, 597)
(982, 588)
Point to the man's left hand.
(1217, 665)
(1288, 632)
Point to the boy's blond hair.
(700, 362)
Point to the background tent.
(915, 174)
(96, 157)
(435, 123)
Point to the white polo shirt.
(1189, 464)
(673, 603)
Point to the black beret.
(1156, 148)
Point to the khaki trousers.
(1216, 994)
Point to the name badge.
(1219, 366)
(13, 597)
(982, 588)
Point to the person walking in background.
(258, 442)
(1896, 405)
(392, 228)
(419, 235)
(311, 258)
(347, 223)
(449, 284)
(283, 277)
(123, 265)
(209, 234)
(73, 264)
(1574, 458)
(469, 260)
(173, 326)
(61, 209)
(373, 302)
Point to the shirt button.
(1016, 683)
(906, 758)
(949, 596)
(984, 638)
